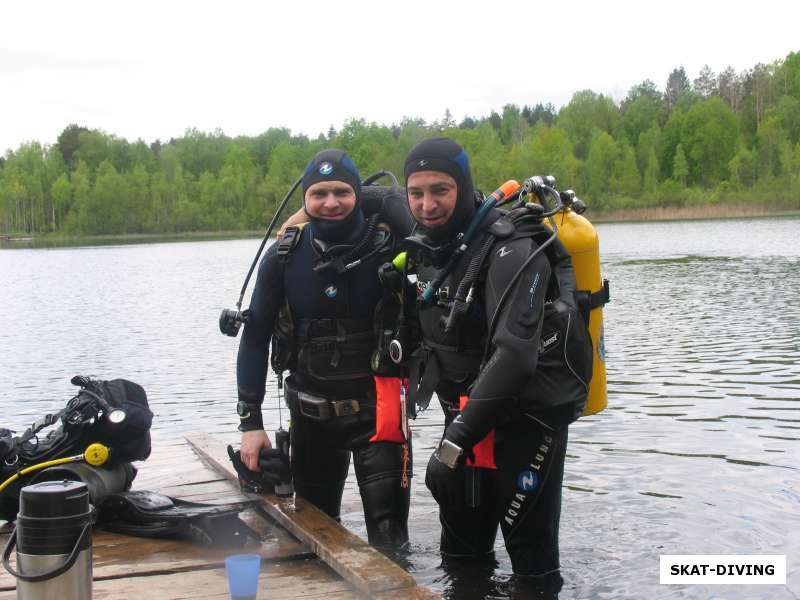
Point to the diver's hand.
(252, 443)
(296, 219)
(446, 485)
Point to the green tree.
(625, 180)
(677, 84)
(61, 192)
(641, 114)
(651, 174)
(603, 154)
(514, 128)
(69, 141)
(706, 82)
(93, 148)
(586, 112)
(680, 168)
(709, 137)
(552, 155)
(669, 140)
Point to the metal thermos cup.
(53, 537)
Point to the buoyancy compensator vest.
(455, 331)
(326, 328)
(114, 413)
(580, 239)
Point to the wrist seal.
(249, 416)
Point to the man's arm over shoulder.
(515, 337)
(251, 364)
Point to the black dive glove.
(446, 484)
(274, 468)
(445, 476)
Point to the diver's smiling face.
(332, 200)
(432, 197)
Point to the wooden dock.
(305, 554)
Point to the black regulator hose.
(270, 227)
(368, 181)
(463, 297)
(377, 175)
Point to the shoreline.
(690, 213)
(623, 215)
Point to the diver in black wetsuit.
(316, 296)
(497, 370)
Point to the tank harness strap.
(289, 241)
(600, 297)
(588, 301)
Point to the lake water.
(697, 452)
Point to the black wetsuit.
(515, 394)
(330, 319)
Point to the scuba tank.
(580, 239)
(101, 481)
(53, 538)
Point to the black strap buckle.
(600, 297)
(287, 243)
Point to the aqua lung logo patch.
(422, 163)
(331, 291)
(548, 341)
(527, 481)
(326, 168)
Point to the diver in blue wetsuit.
(318, 298)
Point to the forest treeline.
(727, 137)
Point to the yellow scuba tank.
(580, 239)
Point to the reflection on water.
(696, 454)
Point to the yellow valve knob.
(96, 454)
(399, 261)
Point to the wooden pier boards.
(356, 561)
(300, 542)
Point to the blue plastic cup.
(243, 572)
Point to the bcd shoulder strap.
(287, 244)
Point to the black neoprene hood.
(445, 156)
(334, 165)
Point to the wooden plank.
(355, 560)
(115, 555)
(307, 579)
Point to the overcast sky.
(153, 69)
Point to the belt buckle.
(343, 408)
(314, 407)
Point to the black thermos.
(53, 536)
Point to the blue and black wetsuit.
(322, 323)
